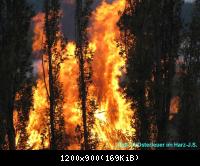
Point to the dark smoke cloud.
(68, 20)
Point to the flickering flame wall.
(114, 117)
(114, 114)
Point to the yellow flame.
(114, 114)
(113, 122)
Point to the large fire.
(113, 120)
(114, 114)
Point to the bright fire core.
(113, 118)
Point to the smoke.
(70, 2)
(68, 19)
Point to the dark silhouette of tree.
(15, 65)
(51, 28)
(155, 26)
(23, 104)
(83, 12)
(138, 22)
(189, 81)
(92, 139)
(52, 21)
(167, 42)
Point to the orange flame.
(174, 107)
(39, 36)
(114, 115)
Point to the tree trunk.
(83, 102)
(11, 131)
(10, 126)
(144, 124)
(2, 128)
(52, 98)
(82, 83)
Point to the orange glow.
(113, 117)
(174, 106)
(39, 36)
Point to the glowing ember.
(174, 107)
